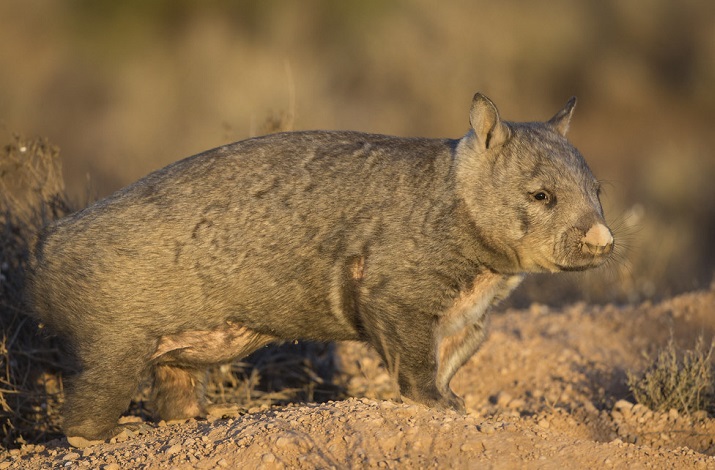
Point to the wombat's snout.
(598, 240)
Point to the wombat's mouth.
(574, 260)
(583, 266)
(584, 263)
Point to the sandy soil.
(547, 390)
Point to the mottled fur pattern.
(404, 243)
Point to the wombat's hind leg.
(179, 393)
(97, 397)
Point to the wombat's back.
(253, 227)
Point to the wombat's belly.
(206, 347)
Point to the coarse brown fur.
(404, 243)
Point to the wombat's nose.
(598, 240)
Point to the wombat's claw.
(456, 404)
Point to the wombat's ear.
(560, 122)
(488, 127)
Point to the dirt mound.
(547, 390)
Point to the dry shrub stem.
(31, 193)
(681, 380)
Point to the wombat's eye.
(542, 196)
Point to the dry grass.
(681, 380)
(32, 192)
(295, 372)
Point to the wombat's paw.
(452, 402)
(448, 401)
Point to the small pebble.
(486, 428)
(623, 405)
(472, 446)
(503, 399)
(71, 456)
(175, 449)
(282, 441)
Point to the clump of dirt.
(637, 424)
(547, 390)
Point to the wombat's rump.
(404, 243)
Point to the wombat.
(404, 243)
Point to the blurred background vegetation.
(125, 87)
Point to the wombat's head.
(532, 198)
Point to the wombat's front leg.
(409, 351)
(455, 350)
(451, 353)
(461, 330)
